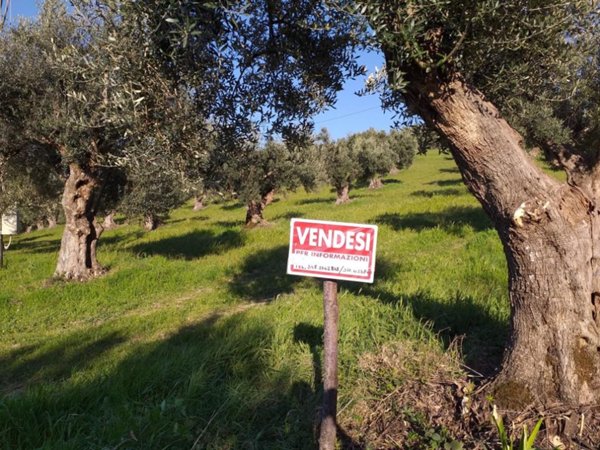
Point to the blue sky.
(353, 113)
(350, 114)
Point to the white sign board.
(10, 223)
(333, 250)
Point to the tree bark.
(77, 255)
(254, 210)
(268, 197)
(254, 214)
(342, 195)
(109, 221)
(199, 203)
(151, 222)
(549, 231)
(52, 221)
(375, 183)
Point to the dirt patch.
(414, 397)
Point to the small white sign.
(10, 223)
(334, 250)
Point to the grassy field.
(196, 338)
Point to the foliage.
(341, 164)
(537, 62)
(527, 441)
(277, 166)
(373, 153)
(4, 9)
(254, 63)
(79, 89)
(151, 192)
(25, 181)
(405, 145)
(365, 156)
(429, 139)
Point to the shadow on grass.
(230, 223)
(187, 219)
(429, 194)
(232, 207)
(28, 365)
(263, 275)
(289, 215)
(36, 244)
(209, 385)
(461, 318)
(450, 170)
(311, 335)
(451, 220)
(27, 237)
(313, 201)
(191, 245)
(443, 183)
(392, 181)
(120, 239)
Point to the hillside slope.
(196, 338)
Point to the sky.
(350, 114)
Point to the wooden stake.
(328, 434)
(1, 251)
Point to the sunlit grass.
(197, 337)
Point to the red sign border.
(326, 275)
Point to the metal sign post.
(334, 251)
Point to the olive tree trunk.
(109, 221)
(254, 210)
(550, 233)
(199, 203)
(342, 195)
(77, 255)
(52, 221)
(375, 183)
(151, 222)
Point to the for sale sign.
(334, 250)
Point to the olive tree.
(404, 145)
(341, 167)
(80, 86)
(374, 156)
(473, 71)
(274, 167)
(27, 183)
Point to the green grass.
(196, 337)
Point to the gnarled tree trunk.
(254, 210)
(199, 202)
(254, 214)
(77, 256)
(342, 195)
(151, 222)
(375, 183)
(52, 221)
(268, 198)
(550, 233)
(109, 221)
